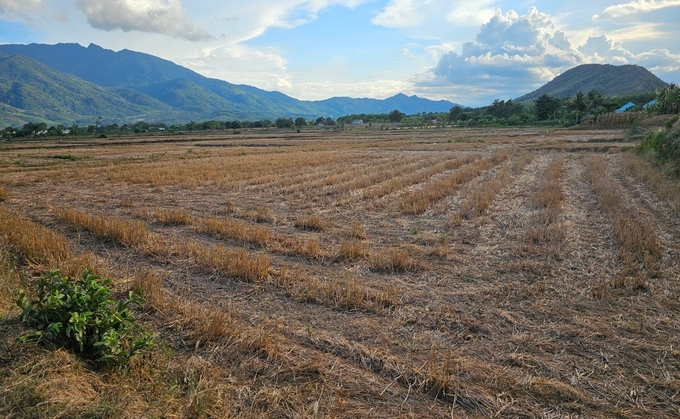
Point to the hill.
(28, 88)
(407, 104)
(609, 80)
(145, 86)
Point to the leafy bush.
(665, 146)
(81, 315)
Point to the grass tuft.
(312, 223)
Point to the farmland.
(358, 273)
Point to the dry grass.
(243, 232)
(615, 119)
(419, 201)
(150, 285)
(33, 242)
(10, 281)
(271, 321)
(306, 247)
(664, 186)
(476, 201)
(545, 230)
(549, 194)
(411, 178)
(347, 293)
(357, 230)
(352, 249)
(234, 229)
(126, 232)
(126, 202)
(639, 247)
(261, 215)
(312, 223)
(392, 260)
(236, 262)
(4, 196)
(172, 216)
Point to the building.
(625, 107)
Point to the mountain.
(407, 104)
(146, 87)
(609, 80)
(34, 89)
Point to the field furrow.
(367, 273)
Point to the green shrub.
(665, 147)
(80, 314)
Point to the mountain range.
(68, 83)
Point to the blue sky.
(467, 52)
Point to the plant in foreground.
(81, 315)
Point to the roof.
(625, 107)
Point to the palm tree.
(668, 99)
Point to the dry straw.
(419, 201)
(639, 247)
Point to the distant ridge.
(71, 83)
(609, 80)
(30, 88)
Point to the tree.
(396, 116)
(595, 99)
(668, 99)
(300, 122)
(546, 106)
(284, 122)
(503, 109)
(578, 104)
(455, 112)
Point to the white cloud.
(264, 14)
(661, 61)
(634, 8)
(431, 14)
(21, 7)
(600, 49)
(509, 51)
(402, 13)
(165, 17)
(407, 53)
(513, 55)
(233, 59)
(471, 13)
(641, 32)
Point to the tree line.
(545, 109)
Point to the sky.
(468, 52)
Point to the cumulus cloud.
(660, 61)
(165, 17)
(512, 55)
(509, 50)
(600, 49)
(635, 7)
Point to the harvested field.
(353, 274)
